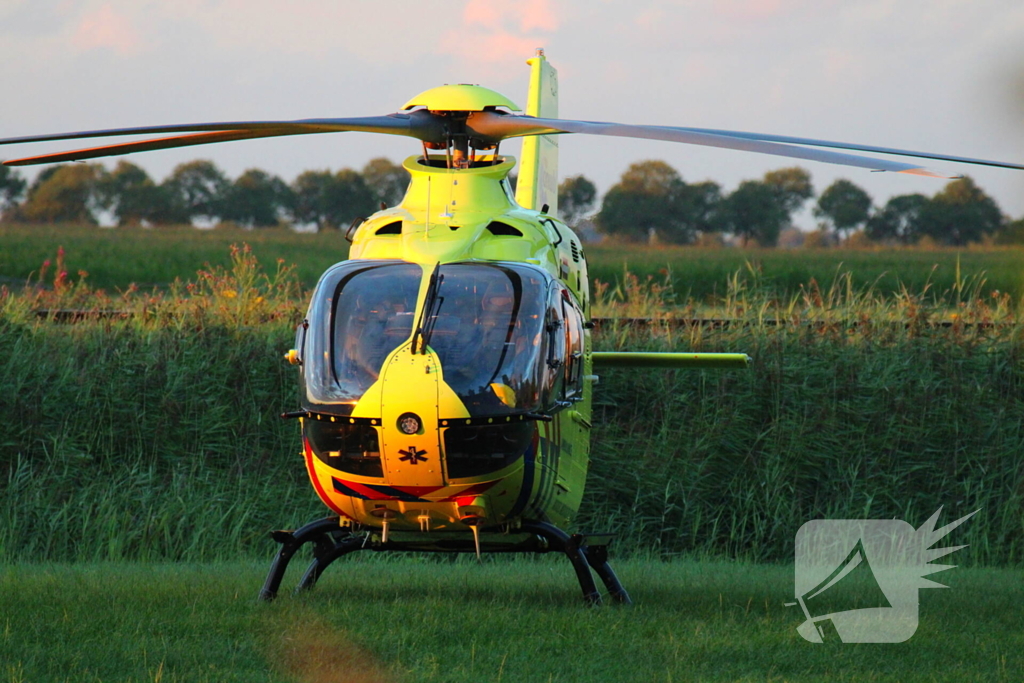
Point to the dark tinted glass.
(474, 451)
(361, 312)
(350, 448)
(487, 334)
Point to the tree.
(65, 193)
(576, 198)
(755, 210)
(131, 195)
(760, 209)
(961, 213)
(701, 207)
(256, 199)
(196, 189)
(388, 181)
(650, 198)
(331, 201)
(792, 185)
(1012, 233)
(898, 221)
(309, 191)
(12, 186)
(844, 205)
(348, 198)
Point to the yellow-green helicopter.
(446, 368)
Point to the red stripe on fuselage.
(316, 482)
(474, 490)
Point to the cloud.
(487, 48)
(35, 18)
(481, 13)
(650, 18)
(753, 10)
(491, 33)
(538, 15)
(530, 15)
(106, 28)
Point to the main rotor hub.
(460, 97)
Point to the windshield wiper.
(428, 317)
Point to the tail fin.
(538, 170)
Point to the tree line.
(651, 201)
(198, 191)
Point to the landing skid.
(331, 541)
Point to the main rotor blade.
(418, 124)
(857, 147)
(412, 124)
(146, 146)
(499, 126)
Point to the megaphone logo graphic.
(857, 581)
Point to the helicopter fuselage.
(446, 367)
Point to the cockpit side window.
(574, 342)
(554, 328)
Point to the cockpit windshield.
(361, 312)
(487, 334)
(485, 326)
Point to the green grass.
(115, 258)
(416, 619)
(705, 273)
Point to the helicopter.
(446, 369)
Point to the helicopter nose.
(412, 395)
(410, 446)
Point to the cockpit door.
(410, 443)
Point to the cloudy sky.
(937, 75)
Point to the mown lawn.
(425, 619)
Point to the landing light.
(409, 423)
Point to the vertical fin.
(538, 169)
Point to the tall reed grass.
(156, 436)
(857, 405)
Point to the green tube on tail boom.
(682, 361)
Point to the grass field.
(413, 619)
(705, 273)
(115, 258)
